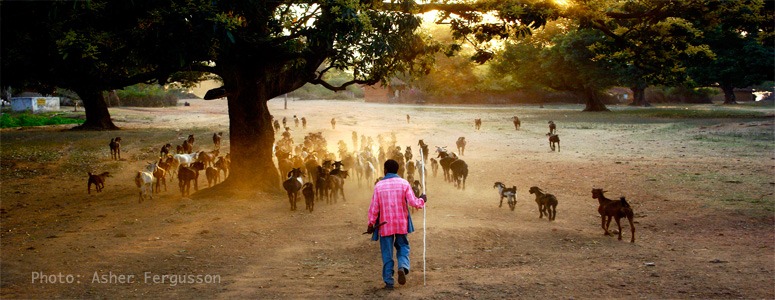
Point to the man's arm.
(413, 201)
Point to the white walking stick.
(422, 175)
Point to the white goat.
(185, 159)
(144, 181)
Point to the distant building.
(35, 104)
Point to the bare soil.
(702, 192)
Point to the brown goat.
(309, 196)
(547, 203)
(208, 158)
(478, 123)
(186, 175)
(161, 177)
(517, 122)
(213, 176)
(612, 209)
(115, 148)
(97, 180)
(554, 139)
(223, 164)
(461, 145)
(165, 150)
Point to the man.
(389, 216)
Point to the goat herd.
(314, 171)
(185, 164)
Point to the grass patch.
(694, 112)
(9, 120)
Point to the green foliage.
(146, 95)
(8, 120)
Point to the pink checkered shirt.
(388, 202)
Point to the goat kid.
(609, 209)
(309, 196)
(509, 193)
(97, 180)
(547, 203)
(554, 140)
(115, 148)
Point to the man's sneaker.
(388, 287)
(401, 276)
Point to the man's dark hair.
(391, 166)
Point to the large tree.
(91, 47)
(559, 58)
(740, 34)
(649, 39)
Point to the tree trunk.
(97, 114)
(252, 137)
(729, 94)
(639, 96)
(593, 101)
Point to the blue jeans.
(386, 244)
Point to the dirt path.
(703, 203)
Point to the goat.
(461, 145)
(423, 149)
(165, 150)
(408, 153)
(321, 184)
(509, 193)
(97, 180)
(336, 185)
(208, 158)
(407, 119)
(191, 139)
(547, 203)
(434, 166)
(477, 123)
(609, 209)
(276, 125)
(304, 122)
(172, 164)
(185, 159)
(213, 176)
(333, 123)
(115, 148)
(217, 137)
(309, 196)
(186, 175)
(459, 172)
(293, 185)
(552, 128)
(517, 122)
(411, 167)
(285, 122)
(186, 148)
(160, 176)
(417, 190)
(369, 171)
(445, 163)
(222, 164)
(144, 181)
(296, 121)
(554, 139)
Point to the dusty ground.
(702, 190)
